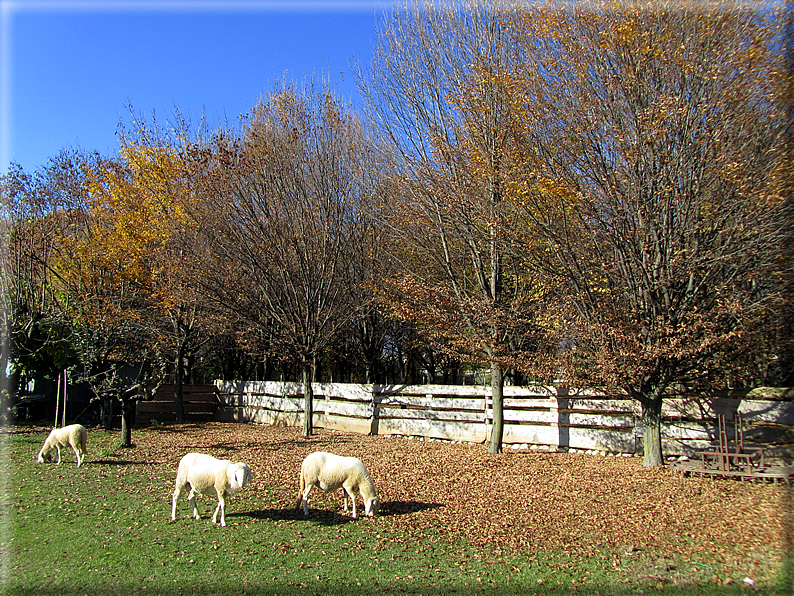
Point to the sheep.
(206, 476)
(73, 436)
(331, 472)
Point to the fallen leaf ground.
(520, 500)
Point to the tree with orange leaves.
(166, 168)
(654, 164)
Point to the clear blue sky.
(70, 67)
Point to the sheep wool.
(207, 475)
(331, 472)
(74, 436)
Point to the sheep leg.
(305, 500)
(77, 455)
(177, 494)
(352, 500)
(58, 447)
(192, 498)
(222, 508)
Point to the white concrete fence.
(535, 417)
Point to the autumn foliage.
(650, 160)
(591, 194)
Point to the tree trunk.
(308, 400)
(497, 392)
(652, 432)
(106, 413)
(127, 413)
(179, 374)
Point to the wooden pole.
(57, 401)
(63, 420)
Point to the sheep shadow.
(324, 518)
(333, 518)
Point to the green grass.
(104, 529)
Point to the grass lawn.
(105, 529)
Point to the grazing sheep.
(206, 476)
(73, 436)
(331, 472)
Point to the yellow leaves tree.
(128, 265)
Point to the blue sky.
(70, 67)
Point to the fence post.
(561, 421)
(374, 421)
(485, 415)
(65, 385)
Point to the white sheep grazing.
(331, 472)
(74, 436)
(206, 476)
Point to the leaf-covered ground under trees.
(521, 501)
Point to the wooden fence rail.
(534, 416)
(199, 402)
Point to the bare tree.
(36, 212)
(283, 218)
(433, 92)
(657, 176)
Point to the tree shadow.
(172, 427)
(277, 445)
(118, 462)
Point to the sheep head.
(372, 506)
(238, 475)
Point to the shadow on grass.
(333, 586)
(332, 518)
(118, 462)
(325, 518)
